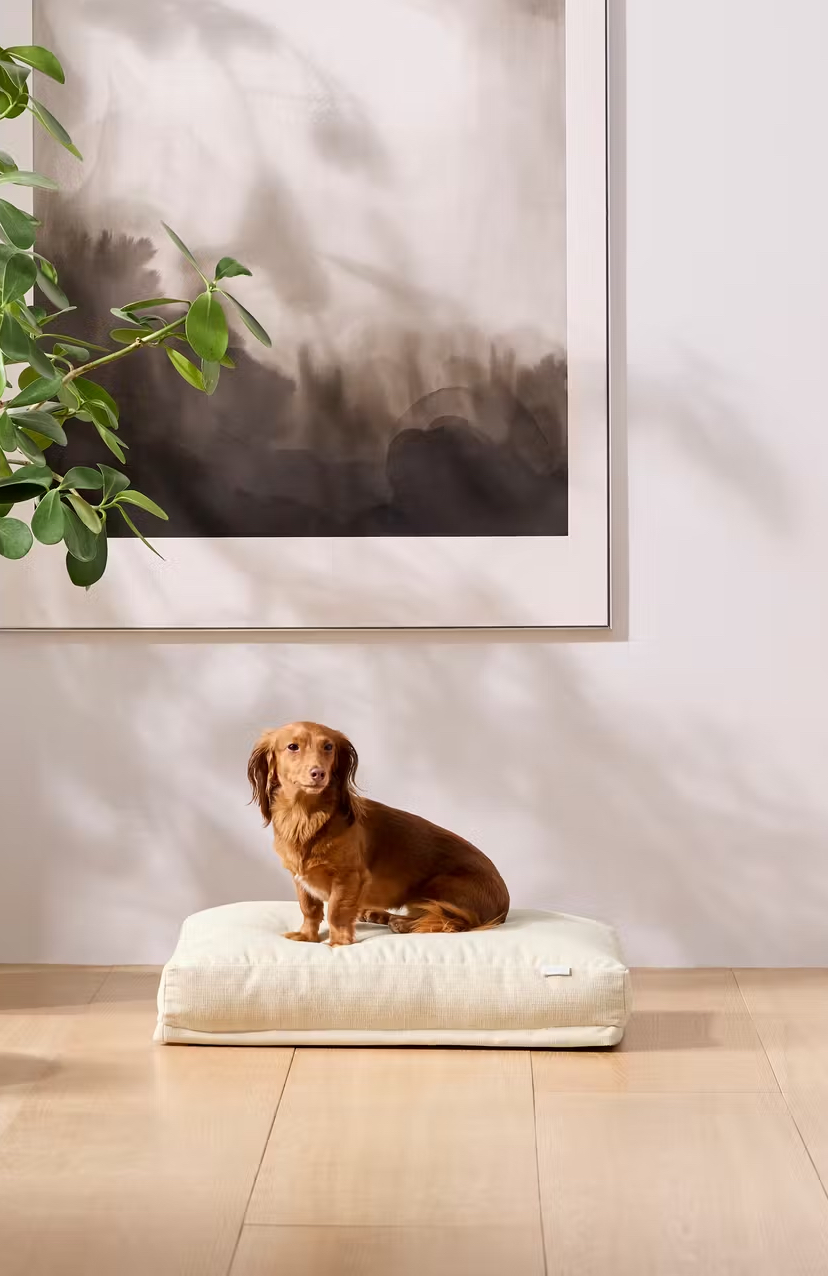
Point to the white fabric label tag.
(556, 970)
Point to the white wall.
(675, 783)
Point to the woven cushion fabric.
(540, 979)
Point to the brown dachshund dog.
(361, 857)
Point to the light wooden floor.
(699, 1146)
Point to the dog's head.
(303, 760)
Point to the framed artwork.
(420, 190)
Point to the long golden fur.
(362, 858)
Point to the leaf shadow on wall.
(342, 132)
(586, 807)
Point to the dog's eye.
(294, 748)
(328, 747)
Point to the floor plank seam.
(781, 1089)
(755, 1027)
(101, 985)
(265, 1146)
(537, 1165)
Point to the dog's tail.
(433, 915)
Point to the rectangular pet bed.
(539, 980)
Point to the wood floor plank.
(376, 1251)
(38, 1009)
(35, 990)
(134, 1158)
(690, 1031)
(402, 1138)
(678, 1185)
(790, 1011)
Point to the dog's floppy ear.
(346, 768)
(259, 774)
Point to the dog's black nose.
(317, 774)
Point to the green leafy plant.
(53, 388)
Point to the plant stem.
(146, 340)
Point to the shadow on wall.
(696, 413)
(586, 808)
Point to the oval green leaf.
(111, 442)
(249, 321)
(15, 538)
(79, 540)
(13, 340)
(28, 447)
(12, 76)
(94, 393)
(48, 267)
(40, 474)
(41, 59)
(67, 310)
(136, 532)
(18, 493)
(78, 353)
(84, 511)
(153, 301)
(101, 414)
(206, 327)
(54, 127)
(47, 520)
(120, 313)
(27, 376)
(39, 362)
(132, 497)
(183, 249)
(19, 103)
(210, 372)
(40, 440)
(38, 391)
(88, 573)
(17, 274)
(126, 336)
(28, 316)
(18, 227)
(69, 397)
(113, 482)
(51, 291)
(82, 476)
(185, 368)
(22, 177)
(7, 440)
(229, 266)
(41, 423)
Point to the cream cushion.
(540, 979)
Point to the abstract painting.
(419, 189)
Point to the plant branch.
(149, 338)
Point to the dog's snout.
(317, 775)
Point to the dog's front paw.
(300, 938)
(341, 941)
